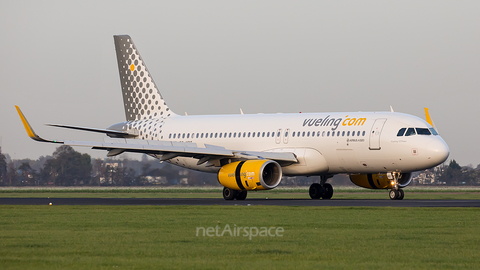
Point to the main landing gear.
(396, 193)
(231, 194)
(322, 190)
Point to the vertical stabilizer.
(141, 97)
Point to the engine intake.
(379, 180)
(250, 175)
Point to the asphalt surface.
(279, 202)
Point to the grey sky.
(214, 57)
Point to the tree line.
(67, 167)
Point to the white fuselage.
(324, 143)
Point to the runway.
(247, 202)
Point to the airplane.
(251, 152)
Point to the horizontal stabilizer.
(109, 132)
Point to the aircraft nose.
(437, 151)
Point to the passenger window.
(423, 131)
(170, 136)
(328, 134)
(318, 134)
(286, 134)
(202, 136)
(234, 134)
(258, 134)
(323, 133)
(363, 133)
(401, 132)
(410, 132)
(248, 134)
(229, 135)
(263, 134)
(211, 135)
(220, 135)
(293, 134)
(303, 134)
(308, 134)
(333, 133)
(188, 135)
(174, 135)
(338, 133)
(343, 133)
(278, 134)
(348, 133)
(253, 134)
(244, 134)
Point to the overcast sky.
(58, 62)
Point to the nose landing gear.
(396, 193)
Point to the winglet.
(29, 128)
(427, 117)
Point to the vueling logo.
(334, 122)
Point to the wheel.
(328, 191)
(229, 194)
(316, 191)
(241, 195)
(393, 194)
(401, 194)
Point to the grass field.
(442, 193)
(146, 237)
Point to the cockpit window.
(415, 131)
(410, 132)
(423, 131)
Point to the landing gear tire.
(316, 191)
(401, 194)
(229, 194)
(241, 195)
(328, 191)
(393, 194)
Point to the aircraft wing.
(163, 150)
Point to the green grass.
(146, 237)
(430, 193)
(176, 189)
(251, 195)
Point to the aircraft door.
(285, 135)
(278, 136)
(375, 134)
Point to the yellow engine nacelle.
(250, 175)
(379, 180)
